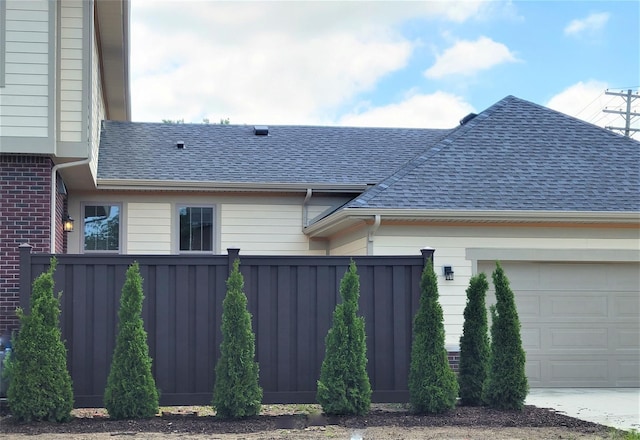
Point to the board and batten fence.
(291, 299)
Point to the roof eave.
(112, 25)
(345, 217)
(179, 185)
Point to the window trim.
(214, 227)
(83, 205)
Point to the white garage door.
(580, 322)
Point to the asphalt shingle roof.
(233, 153)
(517, 155)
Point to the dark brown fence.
(291, 299)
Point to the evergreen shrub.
(433, 387)
(236, 392)
(40, 387)
(131, 390)
(344, 386)
(506, 386)
(474, 343)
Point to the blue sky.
(412, 64)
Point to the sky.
(419, 64)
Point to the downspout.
(372, 232)
(305, 208)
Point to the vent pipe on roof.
(467, 118)
(260, 130)
(180, 145)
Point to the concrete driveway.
(615, 407)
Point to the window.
(101, 228)
(196, 229)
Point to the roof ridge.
(420, 159)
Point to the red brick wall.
(454, 360)
(25, 185)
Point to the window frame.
(214, 223)
(83, 206)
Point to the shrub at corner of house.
(506, 386)
(40, 386)
(474, 343)
(236, 392)
(344, 386)
(433, 387)
(131, 390)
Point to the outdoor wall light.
(67, 224)
(448, 272)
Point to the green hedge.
(40, 386)
(344, 386)
(131, 390)
(506, 386)
(474, 343)
(236, 391)
(433, 387)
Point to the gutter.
(335, 220)
(193, 185)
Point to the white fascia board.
(177, 185)
(346, 216)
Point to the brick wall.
(454, 360)
(25, 185)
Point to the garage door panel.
(577, 305)
(579, 371)
(529, 307)
(580, 322)
(627, 340)
(626, 306)
(579, 339)
(575, 276)
(531, 339)
(627, 373)
(618, 279)
(533, 370)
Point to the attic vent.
(260, 130)
(180, 145)
(467, 118)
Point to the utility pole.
(628, 97)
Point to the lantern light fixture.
(448, 272)
(67, 224)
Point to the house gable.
(519, 156)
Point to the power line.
(628, 98)
(585, 107)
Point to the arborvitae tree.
(506, 386)
(40, 386)
(236, 391)
(131, 390)
(433, 387)
(474, 343)
(344, 386)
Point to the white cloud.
(584, 100)
(587, 100)
(268, 62)
(592, 23)
(468, 57)
(437, 110)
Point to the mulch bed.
(380, 415)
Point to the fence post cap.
(25, 245)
